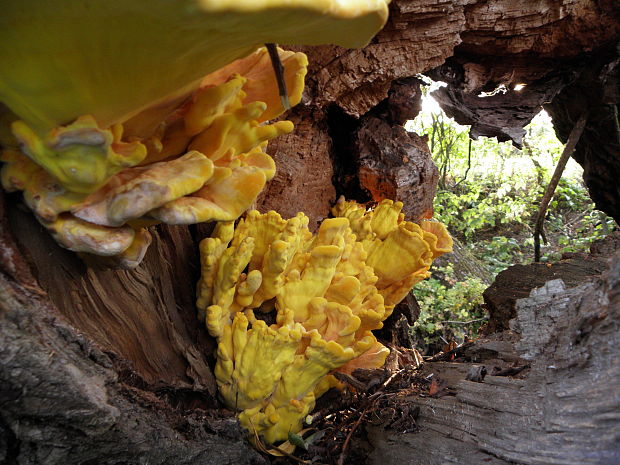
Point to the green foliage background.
(488, 198)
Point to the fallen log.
(550, 396)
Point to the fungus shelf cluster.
(328, 292)
(108, 124)
(206, 162)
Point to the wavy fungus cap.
(60, 59)
(328, 291)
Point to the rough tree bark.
(108, 367)
(565, 52)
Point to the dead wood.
(573, 139)
(560, 404)
(518, 281)
(104, 367)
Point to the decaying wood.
(303, 180)
(395, 164)
(548, 46)
(598, 150)
(397, 327)
(145, 316)
(63, 403)
(79, 385)
(562, 405)
(503, 42)
(503, 114)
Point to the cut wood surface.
(517, 282)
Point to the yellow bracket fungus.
(205, 162)
(130, 113)
(153, 186)
(42, 192)
(80, 179)
(81, 155)
(328, 290)
(112, 59)
(400, 252)
(80, 236)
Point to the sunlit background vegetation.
(488, 197)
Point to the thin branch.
(569, 148)
(468, 165)
(477, 320)
(345, 446)
(617, 122)
(434, 128)
(371, 402)
(279, 70)
(443, 356)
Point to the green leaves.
(445, 301)
(481, 205)
(488, 198)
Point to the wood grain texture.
(63, 402)
(518, 281)
(564, 409)
(598, 150)
(544, 45)
(418, 36)
(502, 41)
(146, 315)
(116, 373)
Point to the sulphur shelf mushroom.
(120, 114)
(328, 291)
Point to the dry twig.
(345, 446)
(569, 148)
(371, 402)
(442, 356)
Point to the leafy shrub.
(443, 303)
(500, 252)
(478, 206)
(489, 197)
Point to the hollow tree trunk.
(109, 367)
(564, 52)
